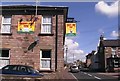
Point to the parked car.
(74, 68)
(20, 70)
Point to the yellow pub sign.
(26, 27)
(70, 29)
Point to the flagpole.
(36, 8)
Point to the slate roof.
(33, 7)
(111, 43)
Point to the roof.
(31, 9)
(111, 43)
(33, 6)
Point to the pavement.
(61, 75)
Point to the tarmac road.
(91, 76)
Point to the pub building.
(34, 38)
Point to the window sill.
(5, 33)
(45, 34)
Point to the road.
(90, 76)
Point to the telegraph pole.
(66, 52)
(73, 57)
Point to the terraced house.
(33, 36)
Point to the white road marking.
(74, 76)
(92, 75)
(85, 73)
(89, 75)
(97, 77)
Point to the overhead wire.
(94, 30)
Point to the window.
(46, 25)
(6, 24)
(106, 51)
(116, 63)
(4, 57)
(4, 53)
(113, 51)
(45, 60)
(23, 69)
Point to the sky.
(96, 18)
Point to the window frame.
(48, 59)
(5, 58)
(113, 51)
(44, 23)
(3, 23)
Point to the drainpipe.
(56, 42)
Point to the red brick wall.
(18, 43)
(108, 52)
(60, 55)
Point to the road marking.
(74, 77)
(85, 73)
(89, 75)
(97, 77)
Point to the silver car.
(74, 69)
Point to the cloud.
(114, 34)
(101, 31)
(73, 53)
(109, 10)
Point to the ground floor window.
(45, 59)
(4, 57)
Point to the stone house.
(34, 38)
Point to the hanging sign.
(70, 29)
(26, 27)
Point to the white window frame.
(9, 24)
(5, 58)
(48, 59)
(47, 31)
(113, 51)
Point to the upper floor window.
(113, 51)
(6, 24)
(46, 25)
